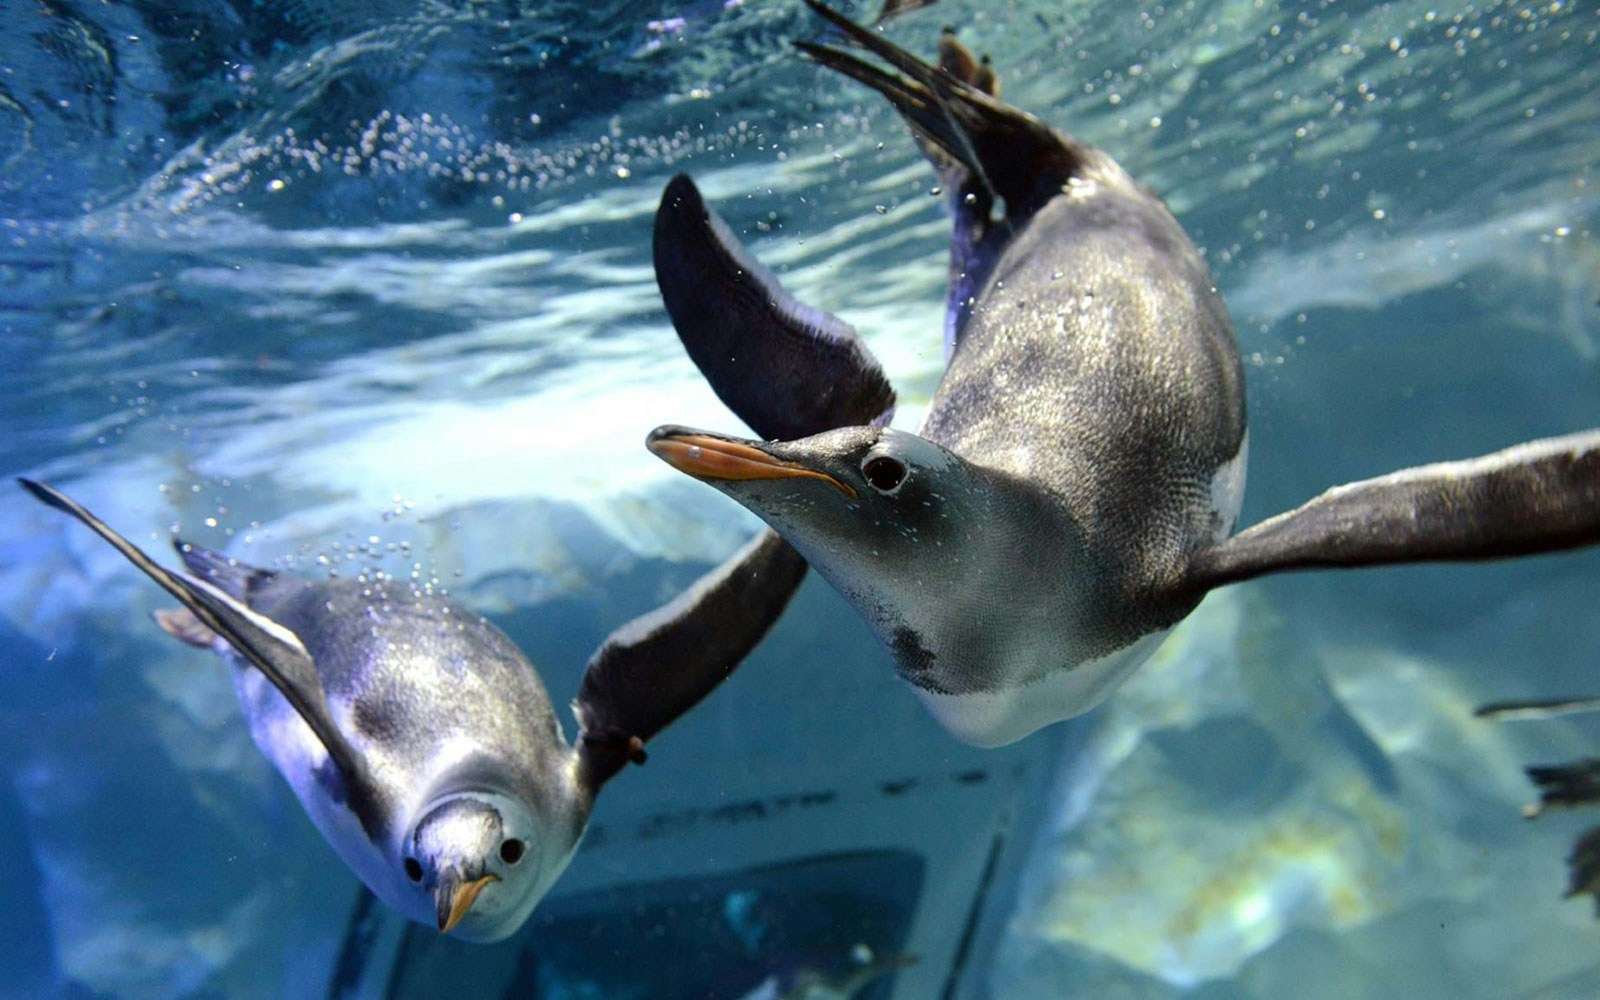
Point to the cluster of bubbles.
(446, 158)
(367, 557)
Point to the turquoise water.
(370, 288)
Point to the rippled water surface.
(344, 286)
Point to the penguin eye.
(413, 869)
(511, 851)
(883, 473)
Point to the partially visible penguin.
(420, 740)
(1072, 491)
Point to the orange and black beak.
(455, 896)
(711, 457)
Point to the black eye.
(413, 869)
(883, 473)
(511, 851)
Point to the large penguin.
(1071, 494)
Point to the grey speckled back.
(1099, 364)
(415, 671)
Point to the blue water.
(345, 286)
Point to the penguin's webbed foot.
(636, 752)
(183, 625)
(604, 753)
(612, 741)
(1018, 158)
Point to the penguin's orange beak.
(706, 457)
(454, 898)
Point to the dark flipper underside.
(230, 576)
(1543, 496)
(661, 664)
(784, 368)
(273, 649)
(1018, 157)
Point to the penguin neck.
(1020, 621)
(1013, 567)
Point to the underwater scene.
(399, 319)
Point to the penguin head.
(898, 524)
(473, 857)
(836, 490)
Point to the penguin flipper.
(271, 648)
(1541, 496)
(784, 368)
(787, 370)
(1017, 156)
(658, 666)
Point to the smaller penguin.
(419, 739)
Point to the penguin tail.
(1012, 154)
(230, 576)
(273, 649)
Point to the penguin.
(417, 736)
(985, 78)
(954, 58)
(1072, 493)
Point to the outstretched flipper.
(658, 666)
(273, 649)
(784, 368)
(1543, 496)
